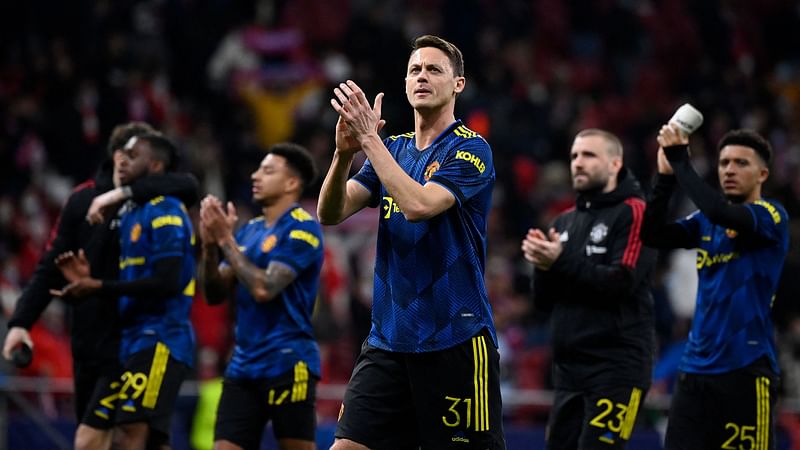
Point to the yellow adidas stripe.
(485, 367)
(300, 386)
(763, 414)
(157, 371)
(630, 414)
(481, 383)
(464, 132)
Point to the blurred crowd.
(226, 79)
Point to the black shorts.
(434, 400)
(148, 388)
(93, 380)
(247, 405)
(597, 418)
(101, 408)
(729, 411)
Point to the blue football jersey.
(429, 292)
(272, 337)
(738, 276)
(158, 229)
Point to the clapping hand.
(542, 250)
(216, 223)
(356, 117)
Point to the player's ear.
(156, 166)
(460, 84)
(293, 184)
(763, 174)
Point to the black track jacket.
(598, 289)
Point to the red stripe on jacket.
(634, 246)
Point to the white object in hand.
(687, 118)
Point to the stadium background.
(227, 78)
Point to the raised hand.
(360, 118)
(670, 135)
(72, 266)
(217, 223)
(542, 250)
(345, 142)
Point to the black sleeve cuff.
(677, 153)
(19, 323)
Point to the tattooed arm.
(264, 285)
(216, 228)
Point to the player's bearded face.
(430, 82)
(589, 180)
(590, 165)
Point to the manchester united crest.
(598, 233)
(269, 243)
(731, 233)
(431, 169)
(136, 232)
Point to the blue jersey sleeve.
(369, 179)
(300, 246)
(468, 169)
(770, 220)
(692, 225)
(169, 227)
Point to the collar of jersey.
(280, 218)
(441, 136)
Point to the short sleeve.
(300, 246)
(468, 169)
(770, 220)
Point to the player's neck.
(753, 197)
(428, 125)
(274, 211)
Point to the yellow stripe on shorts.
(481, 383)
(630, 414)
(300, 386)
(157, 371)
(762, 413)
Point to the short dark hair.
(122, 133)
(298, 159)
(748, 138)
(163, 149)
(452, 52)
(614, 144)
